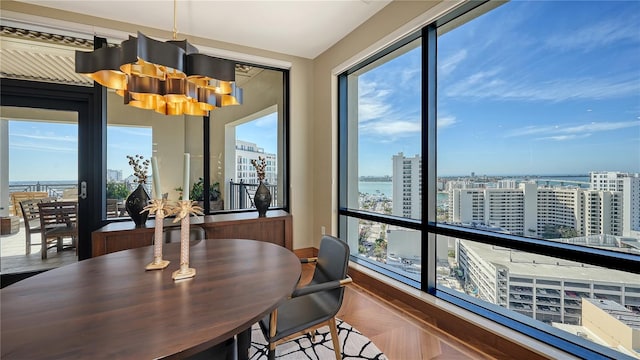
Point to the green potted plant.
(197, 194)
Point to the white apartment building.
(528, 210)
(541, 287)
(629, 185)
(245, 171)
(114, 175)
(407, 190)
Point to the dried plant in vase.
(260, 166)
(139, 198)
(262, 197)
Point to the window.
(256, 136)
(217, 155)
(125, 140)
(529, 107)
(383, 179)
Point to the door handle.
(83, 190)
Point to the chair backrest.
(112, 208)
(333, 263)
(333, 260)
(172, 234)
(57, 213)
(29, 209)
(20, 196)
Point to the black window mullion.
(429, 169)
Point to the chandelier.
(170, 77)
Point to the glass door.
(59, 128)
(39, 151)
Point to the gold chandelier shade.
(171, 77)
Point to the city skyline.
(528, 88)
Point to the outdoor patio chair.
(57, 221)
(31, 217)
(315, 304)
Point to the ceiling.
(303, 28)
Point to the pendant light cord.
(175, 29)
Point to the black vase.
(262, 199)
(136, 201)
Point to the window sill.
(485, 335)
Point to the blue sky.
(42, 151)
(544, 87)
(51, 149)
(263, 132)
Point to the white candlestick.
(156, 178)
(185, 272)
(184, 244)
(158, 263)
(185, 187)
(158, 240)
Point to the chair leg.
(334, 338)
(43, 252)
(28, 236)
(272, 351)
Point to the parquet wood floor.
(397, 333)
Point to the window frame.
(428, 225)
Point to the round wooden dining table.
(110, 307)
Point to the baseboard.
(482, 334)
(306, 252)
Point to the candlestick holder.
(184, 209)
(158, 207)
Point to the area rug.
(353, 344)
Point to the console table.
(275, 228)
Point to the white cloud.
(595, 127)
(564, 137)
(42, 148)
(270, 121)
(395, 128)
(446, 121)
(373, 102)
(594, 36)
(129, 130)
(487, 84)
(448, 65)
(569, 132)
(45, 137)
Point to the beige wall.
(397, 18)
(313, 147)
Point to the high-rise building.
(114, 175)
(530, 210)
(246, 172)
(541, 287)
(407, 187)
(627, 184)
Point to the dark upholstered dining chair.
(317, 303)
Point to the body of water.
(386, 188)
(376, 188)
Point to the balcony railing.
(241, 195)
(53, 189)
